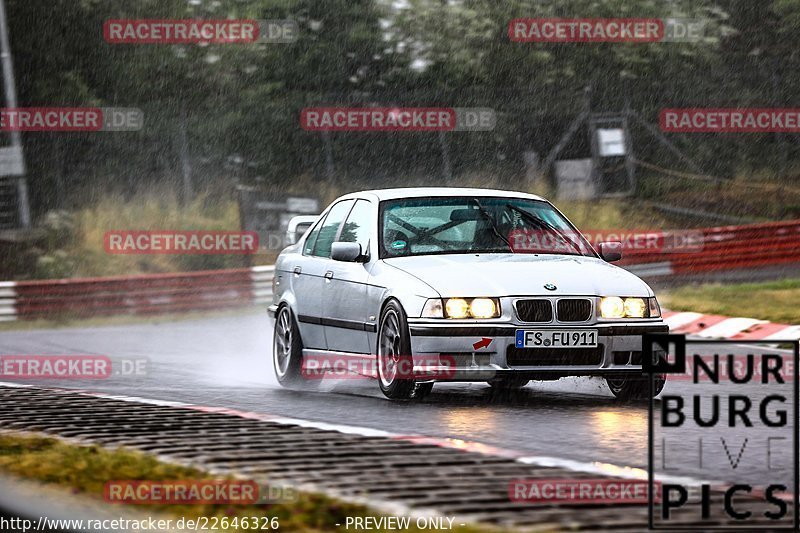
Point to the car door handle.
(329, 275)
(297, 270)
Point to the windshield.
(424, 226)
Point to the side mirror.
(610, 251)
(346, 251)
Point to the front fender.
(387, 283)
(410, 291)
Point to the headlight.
(612, 307)
(635, 308)
(461, 308)
(482, 308)
(456, 308)
(616, 307)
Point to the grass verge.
(86, 469)
(775, 301)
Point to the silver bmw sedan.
(422, 285)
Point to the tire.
(628, 388)
(508, 383)
(393, 350)
(287, 349)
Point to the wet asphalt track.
(226, 362)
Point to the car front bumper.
(482, 351)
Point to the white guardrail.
(147, 294)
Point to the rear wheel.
(394, 355)
(287, 348)
(635, 388)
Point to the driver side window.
(358, 226)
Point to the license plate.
(556, 338)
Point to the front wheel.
(394, 354)
(635, 388)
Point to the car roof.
(422, 192)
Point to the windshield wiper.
(533, 219)
(489, 218)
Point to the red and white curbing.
(725, 327)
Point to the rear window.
(330, 228)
